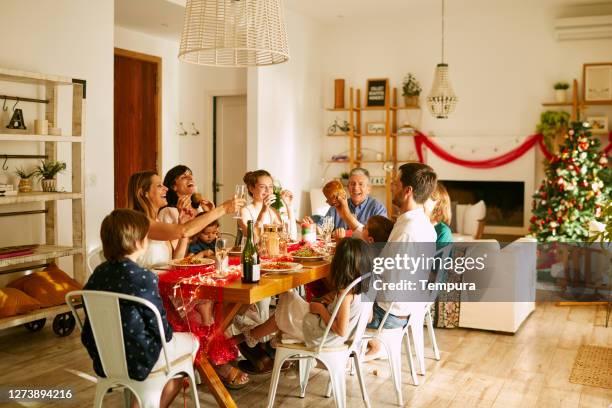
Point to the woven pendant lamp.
(234, 33)
(442, 100)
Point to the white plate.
(203, 262)
(294, 267)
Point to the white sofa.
(511, 277)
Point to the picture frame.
(376, 92)
(599, 124)
(375, 128)
(597, 82)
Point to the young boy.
(124, 239)
(377, 229)
(204, 243)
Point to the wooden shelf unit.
(357, 134)
(50, 251)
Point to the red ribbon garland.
(420, 139)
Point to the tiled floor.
(477, 369)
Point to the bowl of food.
(191, 261)
(307, 253)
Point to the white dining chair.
(95, 256)
(334, 359)
(104, 315)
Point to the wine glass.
(221, 250)
(240, 193)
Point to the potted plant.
(553, 126)
(46, 171)
(561, 91)
(25, 179)
(344, 178)
(411, 89)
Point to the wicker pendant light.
(234, 33)
(441, 100)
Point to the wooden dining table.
(238, 294)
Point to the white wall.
(71, 38)
(187, 92)
(284, 113)
(503, 61)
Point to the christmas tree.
(573, 192)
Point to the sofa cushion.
(473, 214)
(13, 302)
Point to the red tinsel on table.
(421, 139)
(181, 289)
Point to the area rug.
(593, 366)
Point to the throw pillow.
(473, 213)
(13, 302)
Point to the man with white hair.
(360, 205)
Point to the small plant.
(561, 86)
(25, 174)
(410, 86)
(47, 170)
(344, 175)
(552, 123)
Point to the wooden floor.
(477, 369)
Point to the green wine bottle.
(250, 258)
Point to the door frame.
(210, 118)
(158, 96)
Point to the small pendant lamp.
(441, 100)
(234, 33)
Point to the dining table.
(237, 294)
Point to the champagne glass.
(327, 227)
(221, 251)
(239, 192)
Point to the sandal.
(260, 361)
(233, 380)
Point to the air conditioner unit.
(583, 28)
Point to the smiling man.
(360, 204)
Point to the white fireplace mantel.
(480, 148)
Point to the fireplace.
(518, 176)
(504, 199)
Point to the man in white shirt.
(411, 187)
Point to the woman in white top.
(181, 196)
(261, 188)
(147, 194)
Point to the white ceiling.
(164, 18)
(161, 18)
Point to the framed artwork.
(599, 124)
(376, 92)
(375, 128)
(597, 80)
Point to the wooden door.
(137, 117)
(230, 151)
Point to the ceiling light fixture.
(234, 33)
(442, 100)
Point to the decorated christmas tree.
(573, 192)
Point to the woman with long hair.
(182, 197)
(261, 188)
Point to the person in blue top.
(204, 242)
(124, 239)
(360, 205)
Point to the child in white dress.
(299, 320)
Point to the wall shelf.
(18, 137)
(38, 196)
(41, 253)
(51, 250)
